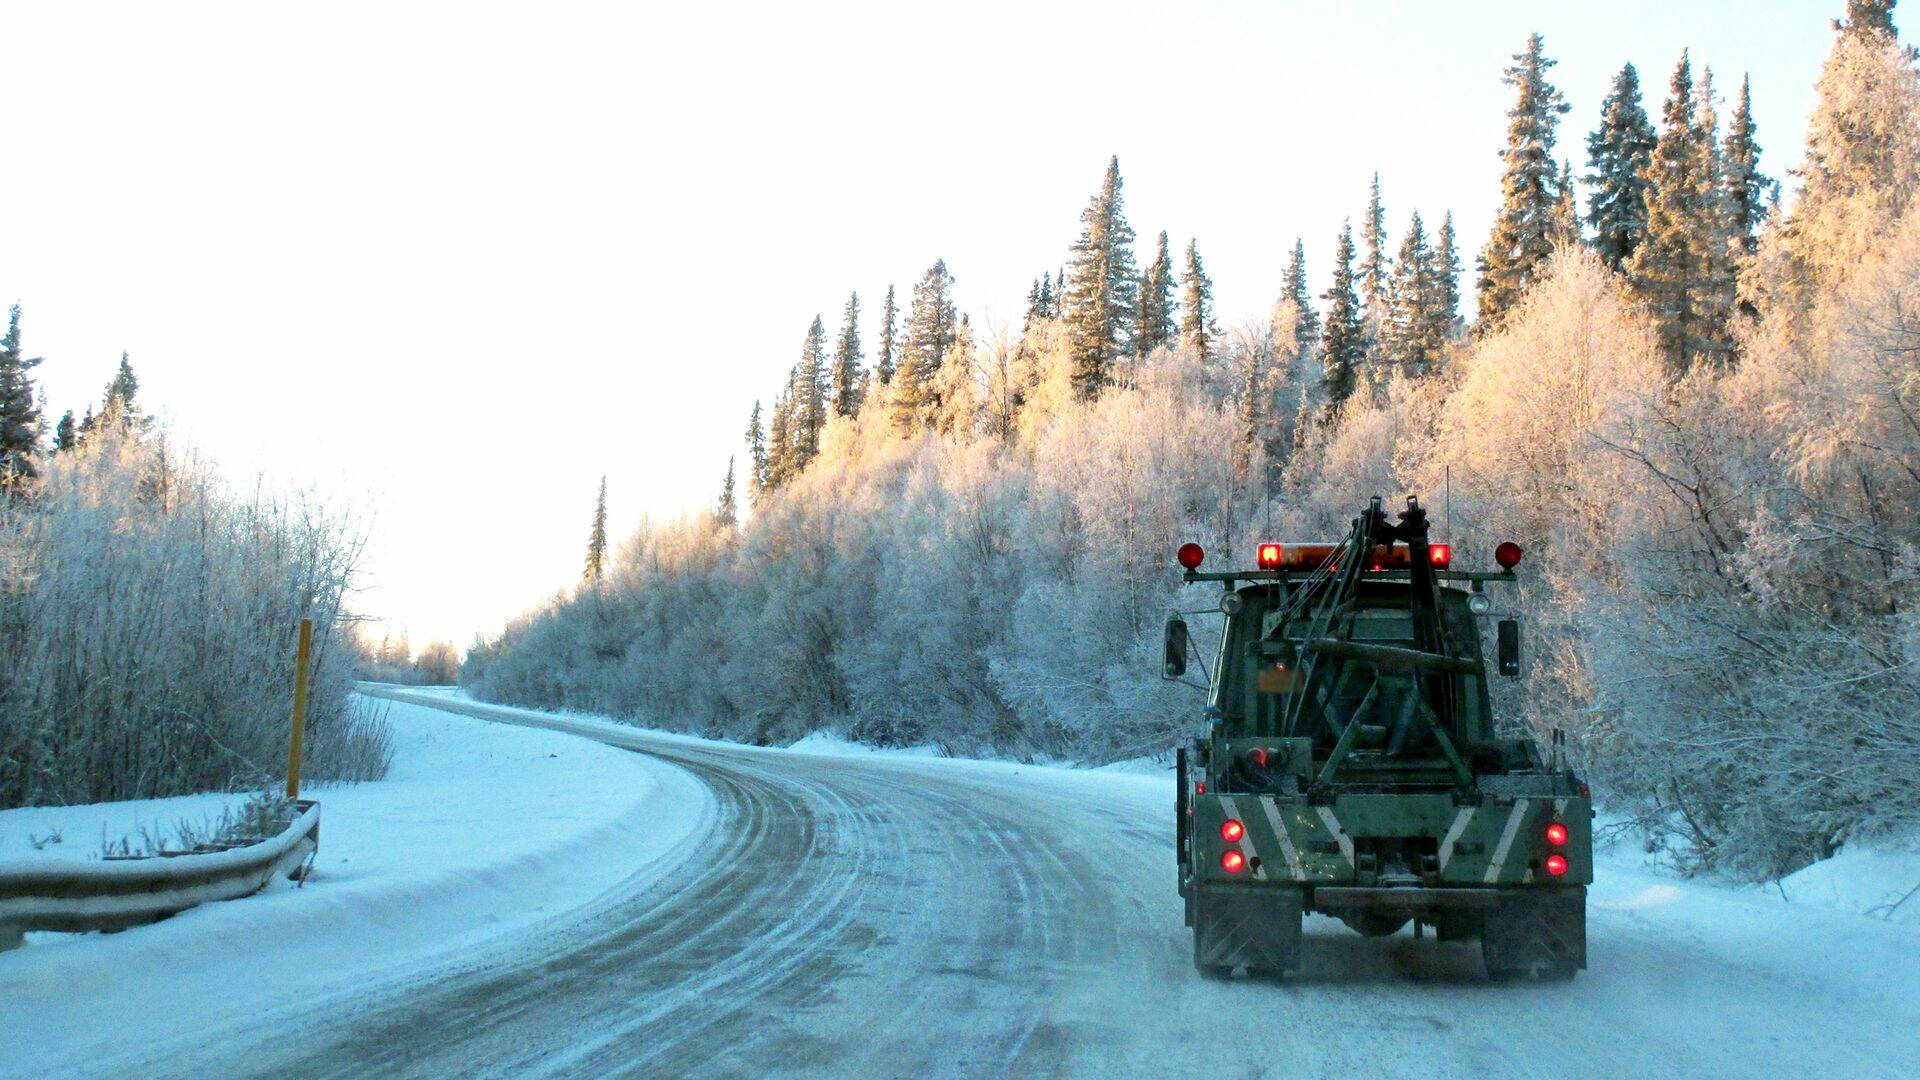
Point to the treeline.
(391, 659)
(1688, 394)
(148, 614)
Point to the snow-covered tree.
(1197, 331)
(596, 562)
(1620, 153)
(930, 331)
(1102, 287)
(1530, 189)
(20, 419)
(1155, 325)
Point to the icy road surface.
(890, 916)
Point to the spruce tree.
(1374, 272)
(1049, 296)
(846, 361)
(1522, 235)
(1447, 270)
(1566, 213)
(810, 394)
(1746, 192)
(1197, 331)
(20, 419)
(728, 512)
(1343, 349)
(1869, 16)
(1306, 328)
(1102, 288)
(1415, 329)
(883, 363)
(756, 453)
(930, 331)
(65, 437)
(1677, 272)
(1620, 151)
(1154, 327)
(596, 565)
(780, 439)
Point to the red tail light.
(1191, 555)
(1269, 556)
(1440, 555)
(1557, 834)
(1231, 831)
(1258, 755)
(1200, 788)
(1507, 555)
(1233, 862)
(1556, 865)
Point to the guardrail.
(116, 894)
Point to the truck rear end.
(1351, 768)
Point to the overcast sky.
(455, 263)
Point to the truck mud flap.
(1536, 933)
(1258, 929)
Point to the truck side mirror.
(1174, 663)
(1509, 649)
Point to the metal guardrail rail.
(113, 895)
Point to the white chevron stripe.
(1339, 835)
(1454, 832)
(1499, 861)
(1272, 811)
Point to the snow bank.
(1880, 880)
(480, 830)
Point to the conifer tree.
(1102, 288)
(1566, 213)
(1374, 271)
(1522, 235)
(846, 361)
(20, 419)
(1049, 296)
(1745, 190)
(1197, 331)
(1869, 16)
(756, 453)
(883, 363)
(1447, 268)
(1306, 327)
(1620, 151)
(930, 330)
(1154, 327)
(1343, 349)
(597, 540)
(65, 436)
(1677, 271)
(728, 512)
(780, 439)
(1415, 330)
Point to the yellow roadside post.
(299, 707)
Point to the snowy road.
(910, 917)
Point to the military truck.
(1351, 765)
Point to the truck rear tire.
(1258, 929)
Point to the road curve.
(907, 917)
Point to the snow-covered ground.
(480, 830)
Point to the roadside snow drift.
(480, 830)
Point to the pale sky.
(454, 263)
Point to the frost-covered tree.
(1414, 331)
(1102, 287)
(931, 327)
(1375, 270)
(1306, 322)
(1522, 235)
(1155, 325)
(596, 562)
(1746, 192)
(1679, 271)
(1447, 267)
(1197, 331)
(1343, 348)
(20, 419)
(65, 434)
(1620, 153)
(728, 511)
(884, 360)
(756, 453)
(847, 388)
(811, 387)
